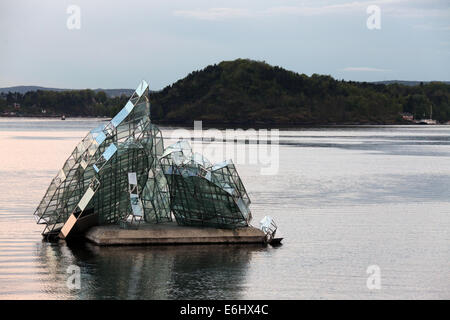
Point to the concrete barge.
(172, 234)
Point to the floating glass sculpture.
(121, 169)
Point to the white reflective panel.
(129, 106)
(141, 88)
(136, 205)
(182, 146)
(86, 198)
(167, 152)
(99, 137)
(201, 160)
(265, 223)
(221, 165)
(178, 158)
(132, 179)
(122, 114)
(109, 152)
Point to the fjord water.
(344, 198)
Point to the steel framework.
(121, 170)
(204, 194)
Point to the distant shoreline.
(247, 93)
(224, 125)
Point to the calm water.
(344, 198)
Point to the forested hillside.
(251, 92)
(245, 91)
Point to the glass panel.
(109, 152)
(141, 88)
(86, 198)
(136, 205)
(100, 137)
(132, 179)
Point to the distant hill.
(25, 89)
(250, 93)
(408, 83)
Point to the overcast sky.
(120, 43)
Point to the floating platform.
(171, 234)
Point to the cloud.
(324, 9)
(431, 27)
(364, 69)
(213, 13)
(230, 13)
(410, 8)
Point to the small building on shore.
(407, 116)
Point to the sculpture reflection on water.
(120, 172)
(164, 272)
